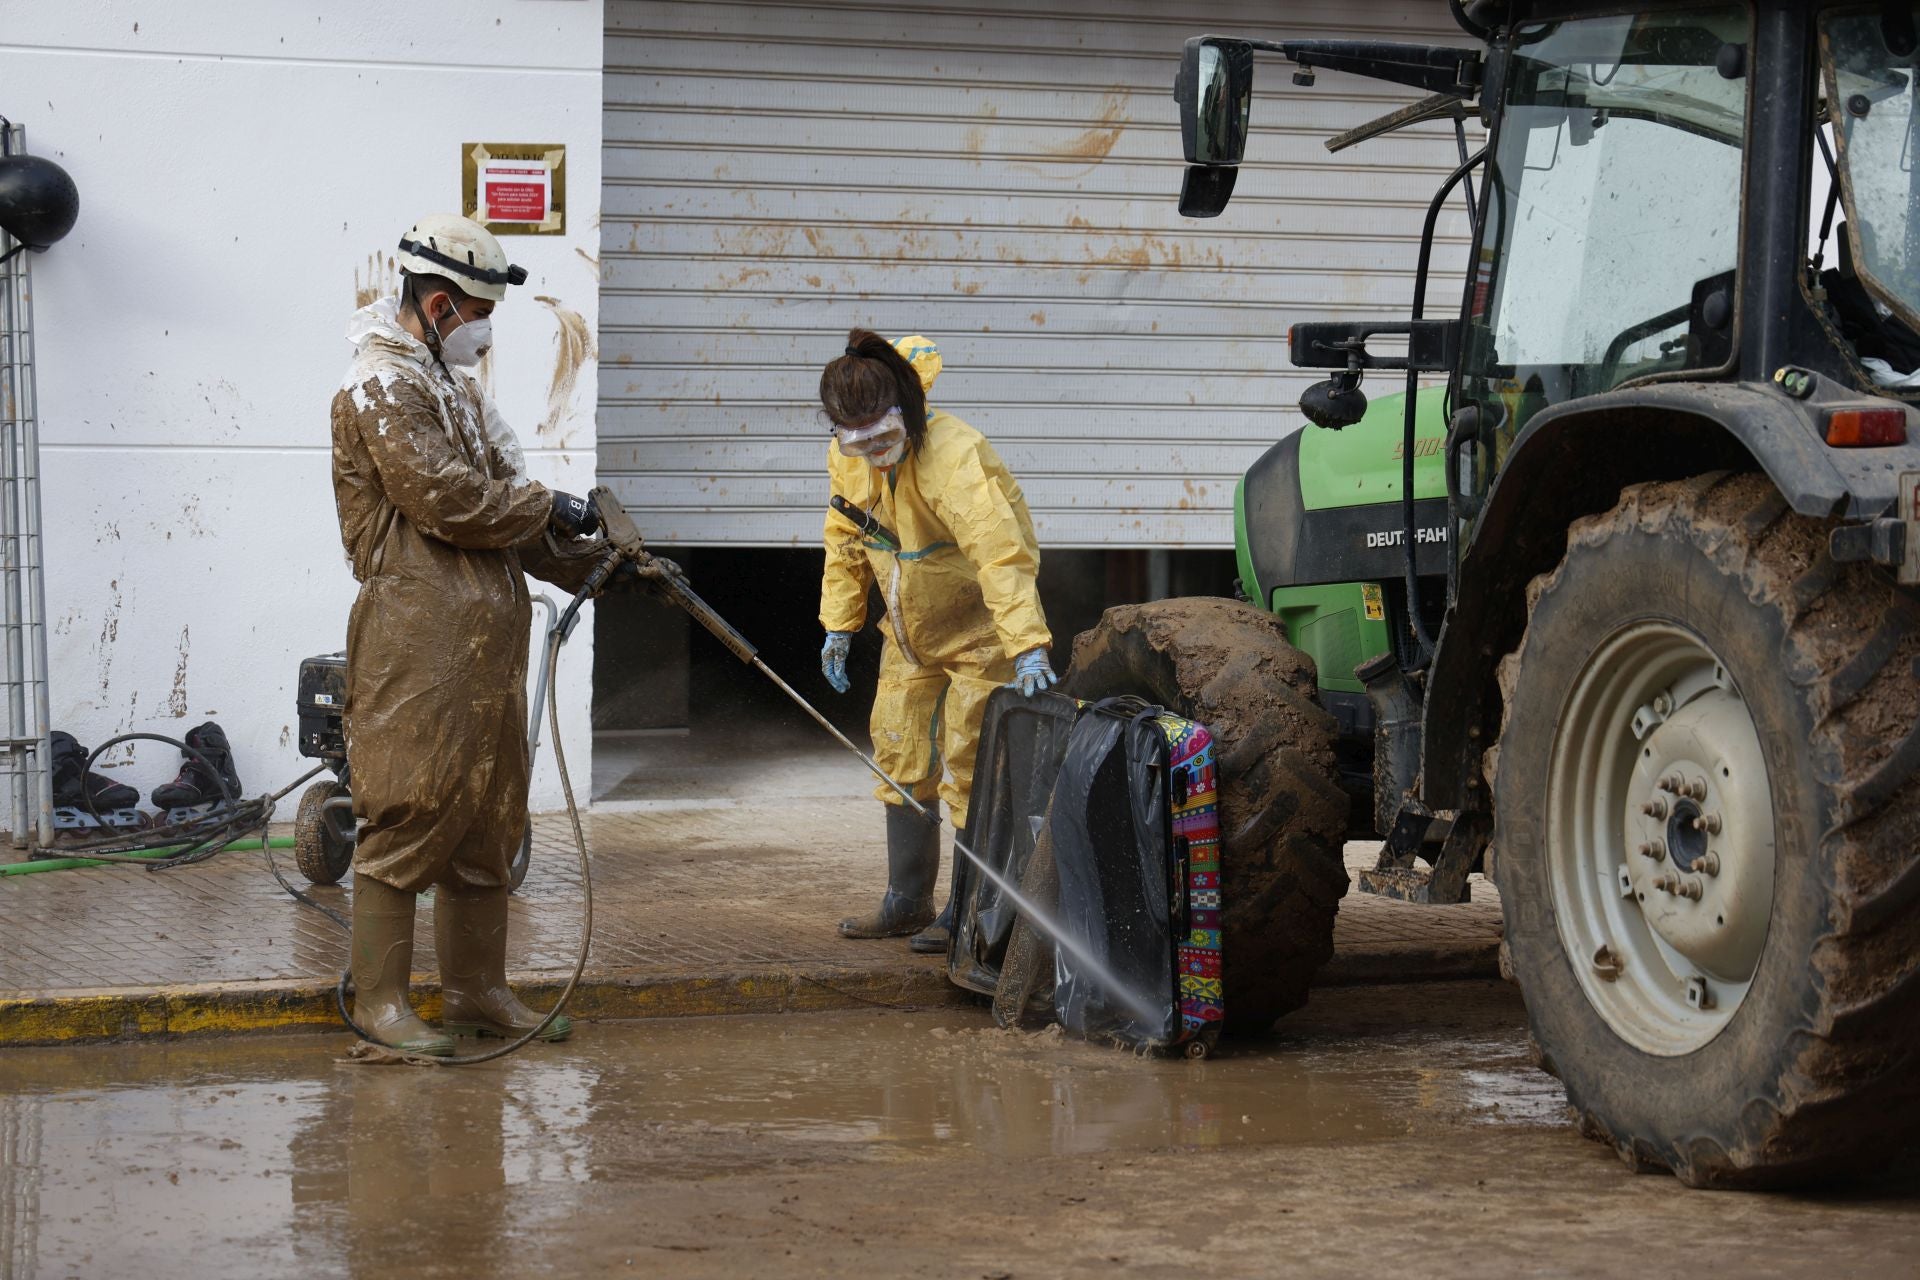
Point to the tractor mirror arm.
(1435, 68)
(1432, 345)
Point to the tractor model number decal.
(1394, 538)
(1423, 447)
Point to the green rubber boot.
(382, 965)
(913, 860)
(470, 931)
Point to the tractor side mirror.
(1204, 192)
(1336, 403)
(1214, 87)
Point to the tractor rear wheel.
(1283, 815)
(1707, 837)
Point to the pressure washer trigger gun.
(864, 521)
(625, 543)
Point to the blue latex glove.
(833, 659)
(1031, 672)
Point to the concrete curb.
(135, 1013)
(1412, 964)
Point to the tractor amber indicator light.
(1866, 428)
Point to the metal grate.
(26, 778)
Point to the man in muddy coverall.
(440, 520)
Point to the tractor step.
(1408, 885)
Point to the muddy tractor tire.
(1283, 815)
(1707, 838)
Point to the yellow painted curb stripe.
(227, 1008)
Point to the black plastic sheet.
(1022, 742)
(1095, 778)
(1112, 847)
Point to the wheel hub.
(1686, 842)
(1660, 837)
(1713, 892)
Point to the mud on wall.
(245, 171)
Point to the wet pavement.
(1386, 1131)
(710, 876)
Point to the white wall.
(243, 169)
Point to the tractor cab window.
(1869, 57)
(1612, 226)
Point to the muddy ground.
(1387, 1131)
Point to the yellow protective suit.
(961, 595)
(439, 520)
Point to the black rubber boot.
(913, 861)
(932, 940)
(73, 783)
(194, 785)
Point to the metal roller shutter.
(1000, 177)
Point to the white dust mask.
(466, 344)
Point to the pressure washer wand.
(703, 613)
(625, 539)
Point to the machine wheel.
(522, 858)
(1708, 841)
(1283, 813)
(321, 852)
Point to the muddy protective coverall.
(961, 594)
(439, 521)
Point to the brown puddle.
(273, 1149)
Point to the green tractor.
(1624, 613)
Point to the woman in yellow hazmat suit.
(956, 562)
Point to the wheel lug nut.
(1655, 849)
(1672, 782)
(1654, 808)
(1710, 863)
(1708, 822)
(1690, 888)
(1697, 789)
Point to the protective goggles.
(876, 437)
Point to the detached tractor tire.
(1707, 838)
(322, 853)
(1283, 813)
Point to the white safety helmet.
(446, 244)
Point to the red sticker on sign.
(514, 192)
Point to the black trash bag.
(1119, 876)
(1022, 741)
(1076, 804)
